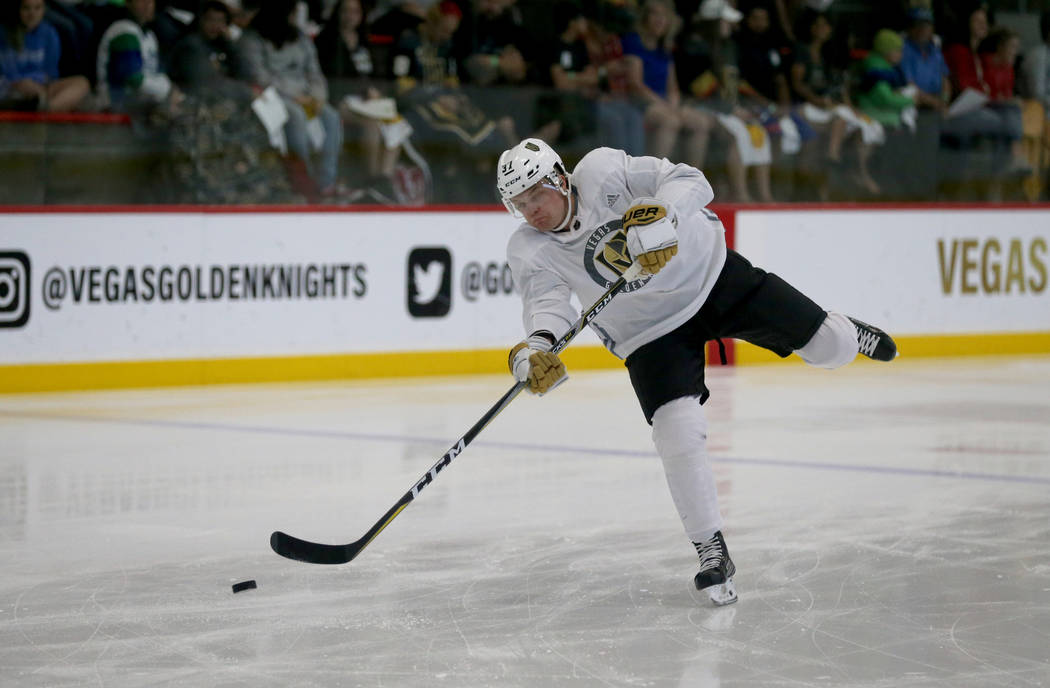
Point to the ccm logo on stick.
(432, 473)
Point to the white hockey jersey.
(591, 254)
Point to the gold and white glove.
(532, 362)
(651, 237)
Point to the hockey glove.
(651, 236)
(532, 362)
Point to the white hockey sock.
(680, 436)
(833, 345)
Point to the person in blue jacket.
(29, 54)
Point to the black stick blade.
(291, 547)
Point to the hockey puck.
(244, 585)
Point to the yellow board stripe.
(926, 346)
(52, 377)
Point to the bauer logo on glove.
(643, 215)
(651, 236)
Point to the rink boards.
(112, 297)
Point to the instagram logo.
(14, 288)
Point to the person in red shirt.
(963, 63)
(993, 75)
(998, 64)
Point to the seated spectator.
(882, 93)
(206, 60)
(923, 63)
(999, 119)
(1035, 69)
(819, 86)
(349, 57)
(708, 72)
(653, 81)
(762, 66)
(444, 117)
(997, 65)
(29, 55)
(75, 32)
(426, 69)
(220, 151)
(242, 12)
(569, 111)
(620, 123)
(129, 67)
(354, 66)
(278, 54)
(964, 66)
(492, 46)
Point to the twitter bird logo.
(429, 282)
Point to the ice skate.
(716, 570)
(874, 343)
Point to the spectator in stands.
(492, 45)
(444, 117)
(75, 32)
(1001, 49)
(997, 65)
(29, 55)
(242, 12)
(709, 74)
(355, 67)
(427, 73)
(652, 79)
(964, 65)
(762, 66)
(569, 110)
(347, 53)
(882, 93)
(1035, 68)
(129, 67)
(278, 54)
(819, 86)
(999, 119)
(923, 63)
(206, 60)
(618, 118)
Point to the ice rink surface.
(890, 525)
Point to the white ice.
(890, 524)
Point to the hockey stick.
(318, 553)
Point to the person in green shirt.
(881, 81)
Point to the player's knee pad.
(680, 435)
(833, 345)
(680, 430)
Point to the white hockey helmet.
(525, 165)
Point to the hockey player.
(581, 231)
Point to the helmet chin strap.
(570, 210)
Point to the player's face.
(543, 205)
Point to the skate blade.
(722, 594)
